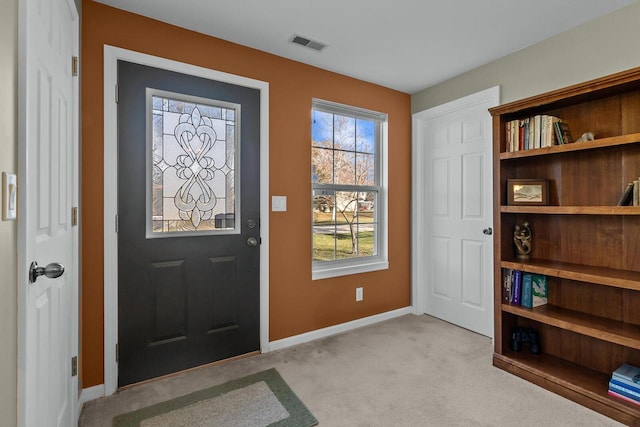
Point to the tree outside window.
(345, 182)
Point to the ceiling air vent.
(311, 44)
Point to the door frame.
(420, 202)
(111, 56)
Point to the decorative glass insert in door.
(193, 154)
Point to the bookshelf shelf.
(570, 380)
(633, 138)
(586, 246)
(585, 324)
(624, 279)
(572, 210)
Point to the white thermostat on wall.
(9, 196)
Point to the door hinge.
(116, 93)
(74, 366)
(74, 66)
(116, 223)
(74, 215)
(117, 352)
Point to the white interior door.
(48, 159)
(457, 212)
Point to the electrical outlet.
(359, 294)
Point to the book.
(537, 121)
(627, 195)
(551, 134)
(516, 287)
(539, 290)
(525, 135)
(628, 373)
(526, 300)
(506, 285)
(563, 134)
(635, 193)
(624, 391)
(625, 398)
(630, 386)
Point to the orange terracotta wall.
(296, 303)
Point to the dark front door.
(188, 221)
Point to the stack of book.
(625, 383)
(525, 289)
(536, 132)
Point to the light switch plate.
(9, 196)
(278, 203)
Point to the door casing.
(111, 57)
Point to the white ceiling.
(406, 45)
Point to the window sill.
(346, 269)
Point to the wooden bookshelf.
(588, 247)
(626, 279)
(597, 327)
(573, 210)
(570, 380)
(575, 146)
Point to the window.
(192, 147)
(348, 174)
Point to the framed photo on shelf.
(528, 192)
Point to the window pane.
(322, 129)
(344, 167)
(322, 165)
(345, 245)
(365, 169)
(366, 240)
(323, 243)
(323, 208)
(192, 176)
(365, 142)
(344, 135)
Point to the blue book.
(517, 287)
(624, 391)
(635, 388)
(627, 374)
(527, 291)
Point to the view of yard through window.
(344, 176)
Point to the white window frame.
(380, 261)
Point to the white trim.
(338, 329)
(89, 394)
(111, 57)
(490, 96)
(23, 251)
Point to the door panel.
(185, 299)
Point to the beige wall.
(604, 46)
(8, 163)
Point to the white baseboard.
(337, 329)
(91, 393)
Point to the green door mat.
(258, 400)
